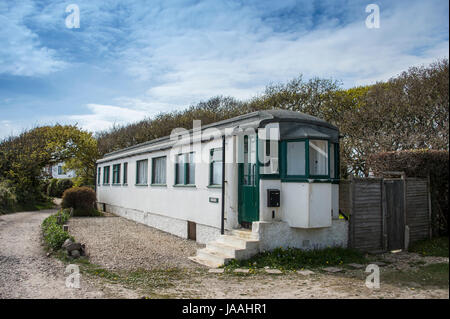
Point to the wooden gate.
(393, 203)
(385, 214)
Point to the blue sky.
(132, 59)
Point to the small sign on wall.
(213, 200)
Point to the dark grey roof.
(258, 118)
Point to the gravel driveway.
(26, 271)
(117, 243)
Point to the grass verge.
(54, 235)
(293, 259)
(432, 275)
(431, 247)
(148, 281)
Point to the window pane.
(191, 169)
(216, 155)
(116, 174)
(318, 157)
(98, 175)
(180, 169)
(106, 175)
(142, 172)
(296, 158)
(159, 170)
(217, 173)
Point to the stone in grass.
(332, 269)
(216, 270)
(273, 271)
(305, 272)
(75, 253)
(67, 242)
(73, 246)
(356, 266)
(242, 271)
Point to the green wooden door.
(248, 183)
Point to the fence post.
(384, 237)
(351, 233)
(430, 221)
(405, 214)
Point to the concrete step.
(214, 257)
(245, 234)
(224, 249)
(240, 243)
(205, 261)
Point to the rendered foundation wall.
(279, 234)
(174, 226)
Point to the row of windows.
(184, 170)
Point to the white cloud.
(180, 53)
(102, 117)
(21, 52)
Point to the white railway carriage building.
(280, 186)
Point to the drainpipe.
(222, 226)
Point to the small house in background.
(280, 186)
(57, 171)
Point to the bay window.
(305, 159)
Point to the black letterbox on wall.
(273, 198)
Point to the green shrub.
(81, 199)
(54, 235)
(8, 199)
(62, 185)
(421, 163)
(52, 189)
(431, 247)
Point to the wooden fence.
(385, 214)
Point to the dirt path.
(26, 271)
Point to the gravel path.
(117, 243)
(26, 271)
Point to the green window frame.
(308, 175)
(106, 175)
(99, 172)
(125, 173)
(215, 167)
(142, 172)
(185, 169)
(116, 174)
(284, 160)
(159, 170)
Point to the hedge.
(54, 235)
(421, 163)
(81, 199)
